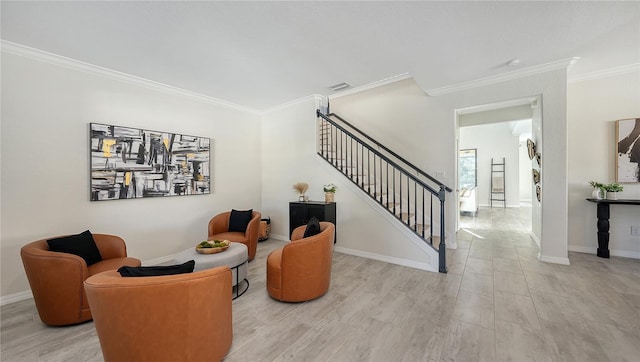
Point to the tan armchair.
(56, 278)
(301, 270)
(219, 229)
(182, 317)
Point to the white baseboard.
(279, 237)
(553, 259)
(433, 267)
(16, 297)
(535, 238)
(612, 252)
(499, 206)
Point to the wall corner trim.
(521, 73)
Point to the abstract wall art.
(130, 163)
(628, 150)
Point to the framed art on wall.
(628, 150)
(130, 163)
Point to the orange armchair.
(182, 317)
(56, 278)
(301, 270)
(219, 229)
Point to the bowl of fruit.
(212, 246)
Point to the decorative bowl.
(212, 246)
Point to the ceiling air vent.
(340, 86)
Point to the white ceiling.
(263, 54)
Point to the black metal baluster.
(368, 171)
(415, 206)
(375, 176)
(387, 184)
(400, 196)
(431, 221)
(394, 191)
(423, 217)
(380, 180)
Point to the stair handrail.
(441, 185)
(440, 194)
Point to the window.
(467, 168)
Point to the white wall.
(423, 130)
(536, 205)
(494, 140)
(289, 156)
(525, 177)
(46, 110)
(593, 108)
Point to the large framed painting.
(628, 150)
(131, 163)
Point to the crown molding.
(525, 72)
(40, 55)
(376, 84)
(315, 97)
(605, 73)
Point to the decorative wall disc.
(536, 176)
(531, 148)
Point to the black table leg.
(603, 230)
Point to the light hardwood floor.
(497, 303)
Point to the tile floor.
(497, 303)
(534, 311)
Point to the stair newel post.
(321, 131)
(442, 248)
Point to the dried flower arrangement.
(301, 187)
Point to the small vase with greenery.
(329, 191)
(612, 190)
(599, 190)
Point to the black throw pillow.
(81, 245)
(151, 271)
(313, 227)
(238, 220)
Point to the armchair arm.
(219, 223)
(110, 246)
(298, 233)
(253, 227)
(55, 280)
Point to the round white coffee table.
(235, 257)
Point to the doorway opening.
(490, 132)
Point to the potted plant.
(301, 188)
(329, 191)
(612, 190)
(599, 191)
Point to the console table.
(301, 212)
(603, 222)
